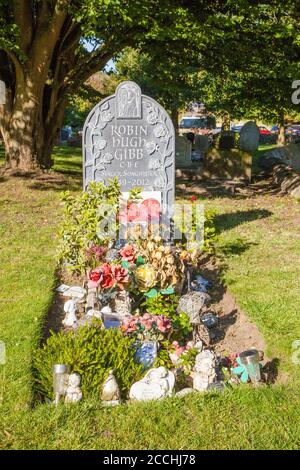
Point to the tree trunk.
(174, 117)
(226, 122)
(281, 134)
(28, 135)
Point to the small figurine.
(73, 391)
(110, 391)
(70, 308)
(158, 383)
(205, 370)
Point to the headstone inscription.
(130, 136)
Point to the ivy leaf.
(125, 264)
(151, 293)
(140, 260)
(168, 291)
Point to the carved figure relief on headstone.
(130, 136)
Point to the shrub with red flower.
(147, 327)
(107, 280)
(128, 253)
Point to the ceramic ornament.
(70, 309)
(73, 391)
(157, 384)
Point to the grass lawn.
(261, 240)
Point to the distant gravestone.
(201, 145)
(130, 136)
(2, 92)
(183, 148)
(226, 141)
(249, 137)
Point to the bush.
(92, 352)
(81, 221)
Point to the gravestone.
(249, 137)
(226, 140)
(130, 136)
(183, 148)
(201, 145)
(2, 92)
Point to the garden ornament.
(205, 370)
(60, 381)
(158, 383)
(110, 391)
(70, 308)
(73, 391)
(248, 366)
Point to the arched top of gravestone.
(249, 137)
(131, 136)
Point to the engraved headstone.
(2, 92)
(249, 137)
(130, 136)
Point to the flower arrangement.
(147, 327)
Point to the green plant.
(92, 352)
(182, 327)
(161, 305)
(89, 218)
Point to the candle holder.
(60, 380)
(250, 360)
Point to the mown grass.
(262, 271)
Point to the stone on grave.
(183, 148)
(2, 92)
(249, 137)
(130, 136)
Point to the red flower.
(128, 253)
(193, 198)
(107, 281)
(120, 275)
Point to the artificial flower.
(128, 253)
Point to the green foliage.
(83, 221)
(161, 305)
(92, 352)
(182, 327)
(210, 232)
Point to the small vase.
(146, 353)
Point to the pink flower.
(128, 253)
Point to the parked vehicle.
(264, 130)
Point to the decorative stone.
(130, 136)
(146, 353)
(209, 319)
(249, 137)
(110, 391)
(70, 309)
(75, 292)
(157, 384)
(122, 303)
(205, 370)
(73, 391)
(184, 391)
(192, 304)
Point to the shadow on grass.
(233, 219)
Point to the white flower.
(160, 130)
(100, 144)
(151, 147)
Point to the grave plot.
(137, 315)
